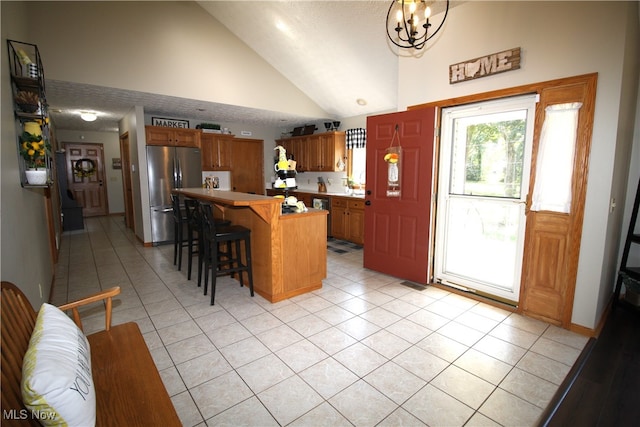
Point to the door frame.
(525, 103)
(100, 171)
(579, 185)
(127, 184)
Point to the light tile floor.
(363, 350)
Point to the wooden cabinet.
(356, 222)
(247, 174)
(216, 151)
(316, 153)
(159, 135)
(347, 219)
(297, 147)
(330, 147)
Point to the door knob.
(368, 203)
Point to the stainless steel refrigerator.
(169, 168)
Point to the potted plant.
(34, 149)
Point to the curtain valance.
(356, 138)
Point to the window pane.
(488, 154)
(359, 161)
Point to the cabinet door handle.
(368, 203)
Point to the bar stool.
(193, 234)
(179, 225)
(195, 237)
(230, 261)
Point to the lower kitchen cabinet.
(347, 219)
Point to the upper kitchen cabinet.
(159, 135)
(296, 148)
(316, 153)
(330, 149)
(216, 151)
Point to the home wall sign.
(487, 65)
(170, 123)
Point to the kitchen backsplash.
(309, 181)
(223, 178)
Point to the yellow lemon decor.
(33, 149)
(33, 128)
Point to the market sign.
(170, 123)
(483, 66)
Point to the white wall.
(111, 144)
(169, 48)
(558, 39)
(24, 255)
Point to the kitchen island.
(289, 251)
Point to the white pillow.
(57, 385)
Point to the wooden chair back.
(18, 320)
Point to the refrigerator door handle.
(179, 173)
(175, 173)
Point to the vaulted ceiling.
(334, 51)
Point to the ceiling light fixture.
(88, 117)
(411, 22)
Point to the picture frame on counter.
(170, 123)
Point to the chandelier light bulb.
(408, 31)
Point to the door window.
(484, 173)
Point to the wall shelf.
(27, 82)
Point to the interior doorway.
(85, 175)
(484, 169)
(126, 181)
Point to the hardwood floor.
(603, 388)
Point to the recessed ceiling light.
(361, 101)
(88, 117)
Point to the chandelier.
(411, 24)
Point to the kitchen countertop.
(325, 194)
(231, 198)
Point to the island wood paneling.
(289, 252)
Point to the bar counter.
(289, 252)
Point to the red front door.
(396, 231)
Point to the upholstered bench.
(120, 387)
